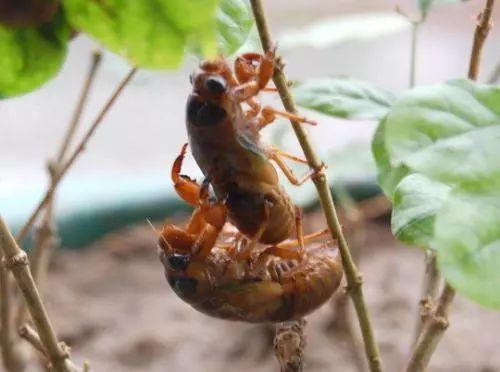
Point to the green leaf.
(31, 56)
(447, 139)
(344, 97)
(467, 240)
(149, 33)
(448, 132)
(426, 5)
(388, 176)
(415, 203)
(331, 31)
(234, 22)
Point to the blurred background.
(109, 300)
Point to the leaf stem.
(354, 279)
(81, 146)
(16, 260)
(415, 31)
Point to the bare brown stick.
(354, 279)
(432, 332)
(16, 260)
(289, 344)
(482, 29)
(11, 356)
(81, 146)
(75, 120)
(29, 334)
(429, 290)
(437, 317)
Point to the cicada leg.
(288, 249)
(276, 155)
(206, 222)
(269, 114)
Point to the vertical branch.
(81, 146)
(432, 332)
(11, 357)
(289, 344)
(430, 288)
(437, 319)
(354, 279)
(482, 30)
(414, 47)
(17, 261)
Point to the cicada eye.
(177, 261)
(215, 85)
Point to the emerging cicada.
(249, 271)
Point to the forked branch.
(16, 260)
(354, 280)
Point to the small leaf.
(234, 22)
(426, 5)
(31, 56)
(344, 97)
(149, 33)
(415, 203)
(467, 240)
(331, 31)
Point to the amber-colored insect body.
(234, 259)
(204, 267)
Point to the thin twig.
(434, 327)
(11, 357)
(495, 75)
(75, 120)
(16, 260)
(415, 31)
(81, 146)
(289, 344)
(45, 236)
(29, 334)
(482, 29)
(429, 290)
(354, 278)
(437, 319)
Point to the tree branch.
(354, 280)
(482, 30)
(81, 146)
(289, 344)
(434, 327)
(16, 260)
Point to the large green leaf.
(447, 139)
(426, 5)
(449, 132)
(344, 97)
(415, 203)
(149, 33)
(29, 57)
(234, 22)
(467, 239)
